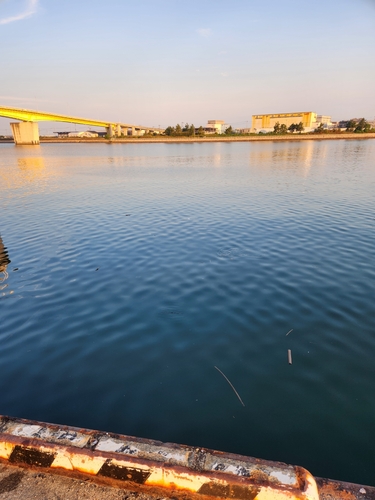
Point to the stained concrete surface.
(17, 483)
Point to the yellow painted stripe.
(166, 478)
(6, 450)
(161, 476)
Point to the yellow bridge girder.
(28, 115)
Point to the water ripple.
(131, 271)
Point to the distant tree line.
(188, 130)
(352, 125)
(358, 126)
(283, 129)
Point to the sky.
(162, 62)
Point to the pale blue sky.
(161, 62)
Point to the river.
(128, 272)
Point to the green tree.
(192, 130)
(350, 126)
(229, 130)
(300, 128)
(178, 129)
(319, 129)
(169, 131)
(362, 126)
(292, 127)
(186, 128)
(276, 128)
(283, 129)
(201, 131)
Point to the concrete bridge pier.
(110, 131)
(25, 133)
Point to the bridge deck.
(28, 115)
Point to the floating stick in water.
(290, 331)
(289, 356)
(230, 383)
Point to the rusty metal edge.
(329, 489)
(160, 468)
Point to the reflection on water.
(33, 164)
(31, 172)
(4, 262)
(290, 155)
(144, 266)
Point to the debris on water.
(230, 383)
(127, 215)
(97, 269)
(15, 269)
(290, 331)
(289, 356)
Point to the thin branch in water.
(230, 383)
(290, 331)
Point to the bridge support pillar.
(25, 133)
(134, 132)
(110, 131)
(118, 130)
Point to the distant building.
(83, 134)
(214, 127)
(325, 120)
(62, 134)
(87, 133)
(266, 123)
(309, 119)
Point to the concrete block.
(25, 133)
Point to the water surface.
(129, 271)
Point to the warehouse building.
(309, 119)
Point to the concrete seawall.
(163, 470)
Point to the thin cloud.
(205, 32)
(31, 8)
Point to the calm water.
(135, 269)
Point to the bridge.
(26, 131)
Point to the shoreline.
(166, 139)
(251, 138)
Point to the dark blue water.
(137, 268)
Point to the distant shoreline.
(168, 139)
(250, 138)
